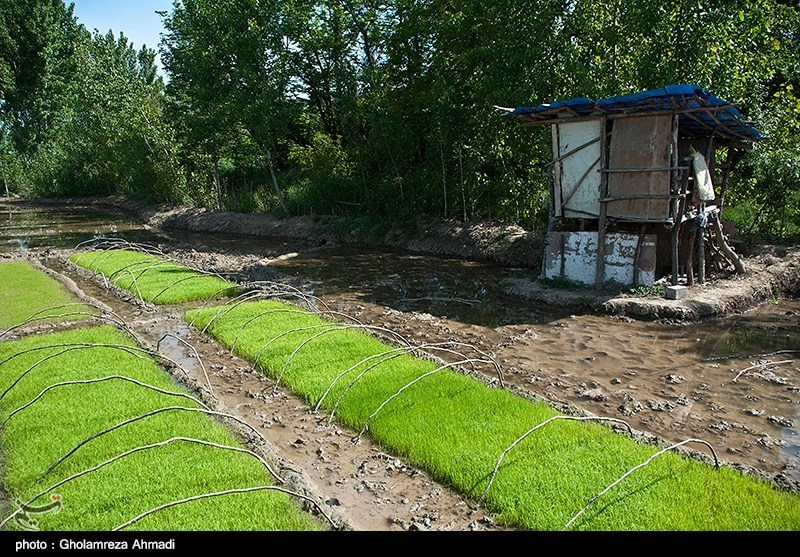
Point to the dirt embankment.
(491, 241)
(772, 271)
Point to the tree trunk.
(5, 180)
(275, 184)
(463, 187)
(217, 185)
(444, 177)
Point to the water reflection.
(450, 288)
(29, 227)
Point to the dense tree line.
(82, 113)
(382, 108)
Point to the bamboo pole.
(643, 196)
(577, 185)
(643, 169)
(571, 152)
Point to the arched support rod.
(408, 385)
(333, 327)
(196, 355)
(119, 457)
(227, 492)
(133, 350)
(153, 413)
(97, 380)
(67, 314)
(637, 467)
(293, 311)
(539, 426)
(389, 355)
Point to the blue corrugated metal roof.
(700, 111)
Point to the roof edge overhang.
(701, 113)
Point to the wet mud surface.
(734, 382)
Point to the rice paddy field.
(97, 435)
(535, 469)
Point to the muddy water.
(24, 227)
(733, 382)
(463, 291)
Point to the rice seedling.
(534, 468)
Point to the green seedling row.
(50, 406)
(28, 295)
(578, 475)
(152, 278)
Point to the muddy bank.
(488, 241)
(772, 271)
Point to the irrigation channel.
(733, 382)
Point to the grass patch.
(457, 428)
(26, 291)
(37, 436)
(151, 278)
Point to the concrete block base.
(677, 292)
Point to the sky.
(136, 19)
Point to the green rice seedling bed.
(26, 292)
(152, 278)
(459, 429)
(43, 420)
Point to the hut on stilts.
(644, 177)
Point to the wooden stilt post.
(676, 227)
(638, 253)
(676, 212)
(555, 198)
(601, 225)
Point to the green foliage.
(82, 112)
(383, 108)
(655, 291)
(325, 173)
(766, 199)
(457, 428)
(562, 283)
